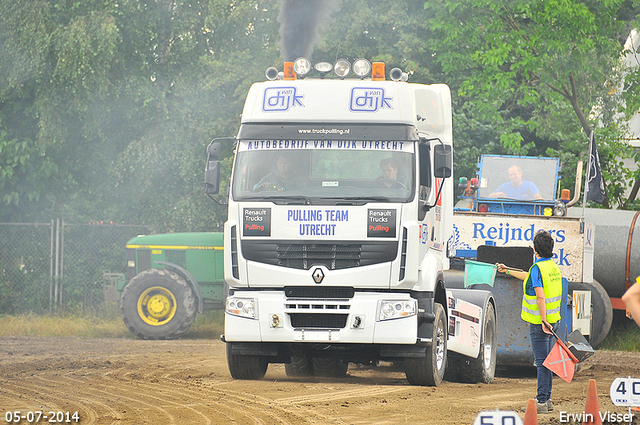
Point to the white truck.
(340, 207)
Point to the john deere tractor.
(171, 277)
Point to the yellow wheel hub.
(157, 306)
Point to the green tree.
(534, 70)
(107, 107)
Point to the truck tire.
(430, 370)
(246, 367)
(158, 304)
(482, 368)
(601, 310)
(299, 366)
(330, 367)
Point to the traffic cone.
(592, 406)
(531, 414)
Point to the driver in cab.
(281, 179)
(389, 177)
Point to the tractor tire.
(482, 368)
(601, 310)
(246, 367)
(330, 367)
(299, 366)
(158, 304)
(429, 370)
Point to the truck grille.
(334, 256)
(319, 292)
(318, 320)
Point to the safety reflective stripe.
(549, 300)
(537, 312)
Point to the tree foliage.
(106, 107)
(534, 70)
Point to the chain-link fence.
(46, 266)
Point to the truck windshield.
(307, 171)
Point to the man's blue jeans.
(541, 344)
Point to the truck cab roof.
(424, 108)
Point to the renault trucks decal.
(281, 99)
(368, 100)
(256, 221)
(381, 223)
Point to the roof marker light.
(301, 67)
(342, 68)
(377, 73)
(361, 67)
(288, 71)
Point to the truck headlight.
(391, 309)
(301, 67)
(243, 307)
(361, 67)
(560, 209)
(342, 68)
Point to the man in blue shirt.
(283, 178)
(516, 188)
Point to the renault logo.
(317, 275)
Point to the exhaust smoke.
(301, 23)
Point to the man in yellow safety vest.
(542, 296)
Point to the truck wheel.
(246, 367)
(601, 310)
(299, 366)
(430, 370)
(329, 367)
(482, 368)
(158, 304)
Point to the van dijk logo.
(369, 100)
(281, 99)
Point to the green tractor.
(171, 278)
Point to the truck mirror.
(213, 151)
(442, 161)
(212, 178)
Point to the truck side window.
(425, 171)
(424, 152)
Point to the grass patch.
(106, 323)
(209, 325)
(103, 324)
(623, 336)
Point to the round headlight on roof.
(342, 68)
(361, 67)
(301, 66)
(323, 68)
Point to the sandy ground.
(128, 381)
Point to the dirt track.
(127, 381)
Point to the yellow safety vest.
(552, 285)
